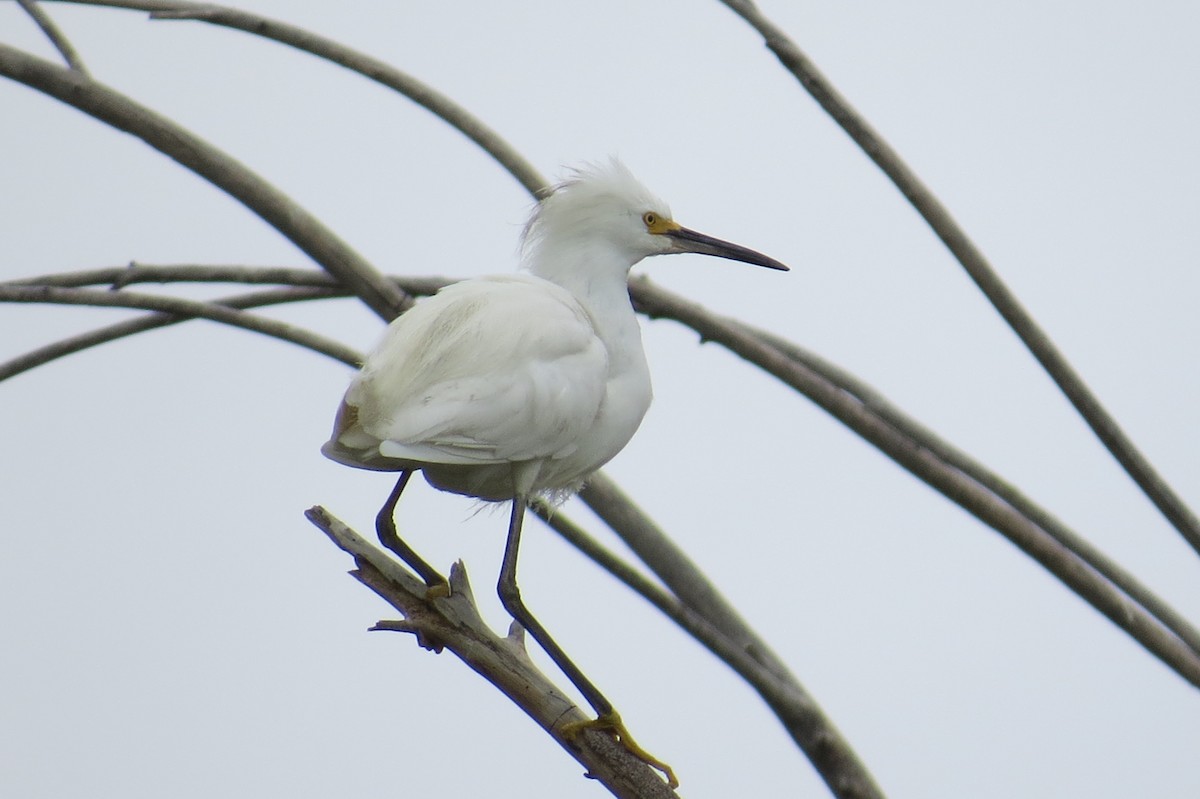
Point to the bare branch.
(454, 623)
(420, 93)
(56, 37)
(977, 266)
(741, 649)
(121, 276)
(925, 438)
(102, 335)
(972, 496)
(169, 138)
(184, 308)
(306, 284)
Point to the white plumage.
(544, 369)
(487, 373)
(507, 387)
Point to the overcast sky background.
(174, 627)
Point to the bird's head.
(604, 208)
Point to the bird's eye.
(650, 219)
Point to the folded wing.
(487, 371)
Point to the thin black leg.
(510, 596)
(385, 527)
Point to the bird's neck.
(598, 278)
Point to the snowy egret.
(510, 387)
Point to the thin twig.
(184, 308)
(120, 276)
(56, 37)
(980, 270)
(41, 356)
(305, 284)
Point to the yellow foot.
(611, 722)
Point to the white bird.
(514, 386)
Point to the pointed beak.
(685, 240)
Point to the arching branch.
(301, 284)
(381, 72)
(454, 623)
(61, 43)
(988, 507)
(980, 270)
(215, 166)
(182, 309)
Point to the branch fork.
(453, 622)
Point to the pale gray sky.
(174, 627)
